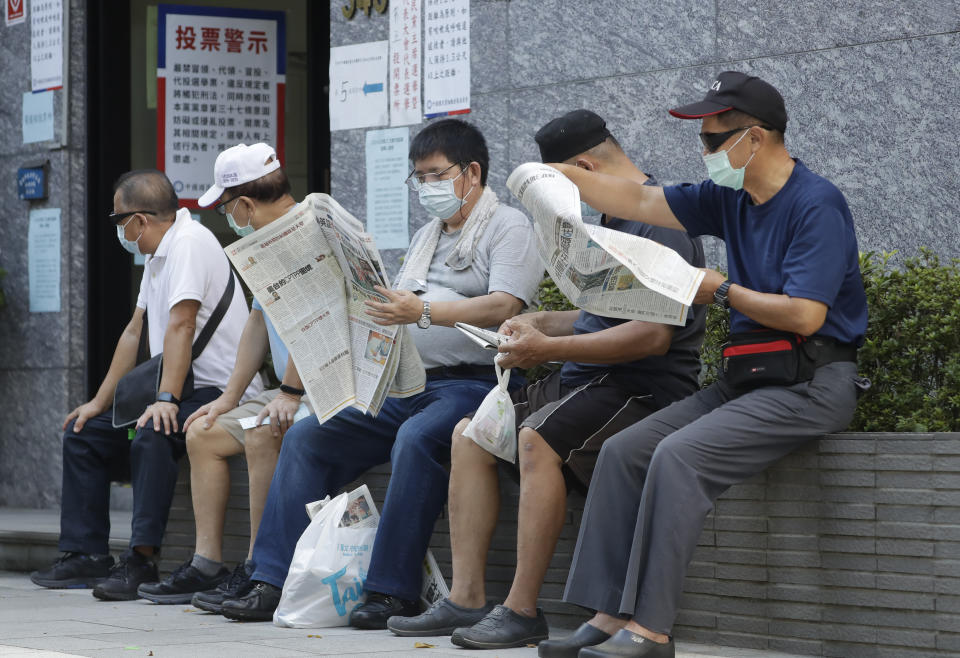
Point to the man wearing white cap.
(252, 190)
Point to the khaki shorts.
(230, 421)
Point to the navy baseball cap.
(733, 90)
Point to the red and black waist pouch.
(766, 358)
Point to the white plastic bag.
(494, 426)
(325, 580)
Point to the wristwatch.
(163, 396)
(720, 299)
(292, 390)
(424, 320)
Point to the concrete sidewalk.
(37, 622)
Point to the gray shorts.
(230, 421)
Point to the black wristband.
(291, 390)
(163, 396)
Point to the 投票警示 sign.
(221, 78)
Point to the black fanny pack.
(777, 358)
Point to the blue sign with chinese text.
(32, 183)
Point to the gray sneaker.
(502, 629)
(442, 618)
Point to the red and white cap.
(238, 165)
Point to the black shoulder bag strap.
(214, 321)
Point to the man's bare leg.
(543, 507)
(474, 505)
(210, 484)
(262, 449)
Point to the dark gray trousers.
(657, 480)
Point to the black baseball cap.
(733, 90)
(570, 135)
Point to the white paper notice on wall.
(43, 260)
(446, 51)
(405, 51)
(358, 85)
(16, 11)
(46, 44)
(388, 203)
(37, 120)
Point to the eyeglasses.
(221, 207)
(118, 217)
(713, 141)
(415, 180)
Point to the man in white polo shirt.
(252, 190)
(185, 275)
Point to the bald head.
(148, 189)
(608, 150)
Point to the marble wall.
(42, 355)
(870, 88)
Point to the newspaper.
(488, 340)
(311, 270)
(603, 271)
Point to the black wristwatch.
(163, 396)
(720, 299)
(291, 390)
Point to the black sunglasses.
(221, 207)
(713, 141)
(118, 217)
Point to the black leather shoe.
(569, 647)
(627, 644)
(181, 585)
(130, 572)
(237, 585)
(372, 614)
(502, 628)
(74, 571)
(256, 605)
(443, 618)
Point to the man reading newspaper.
(798, 312)
(616, 373)
(474, 262)
(251, 190)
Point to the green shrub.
(912, 349)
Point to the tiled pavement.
(35, 622)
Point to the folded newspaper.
(485, 338)
(600, 270)
(311, 270)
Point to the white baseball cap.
(238, 165)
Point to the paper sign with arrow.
(358, 86)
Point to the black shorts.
(575, 421)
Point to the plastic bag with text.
(494, 427)
(325, 580)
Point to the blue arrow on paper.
(371, 87)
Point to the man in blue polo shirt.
(797, 312)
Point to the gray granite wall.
(42, 355)
(870, 88)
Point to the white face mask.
(132, 246)
(239, 230)
(439, 198)
(722, 172)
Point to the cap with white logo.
(733, 90)
(238, 165)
